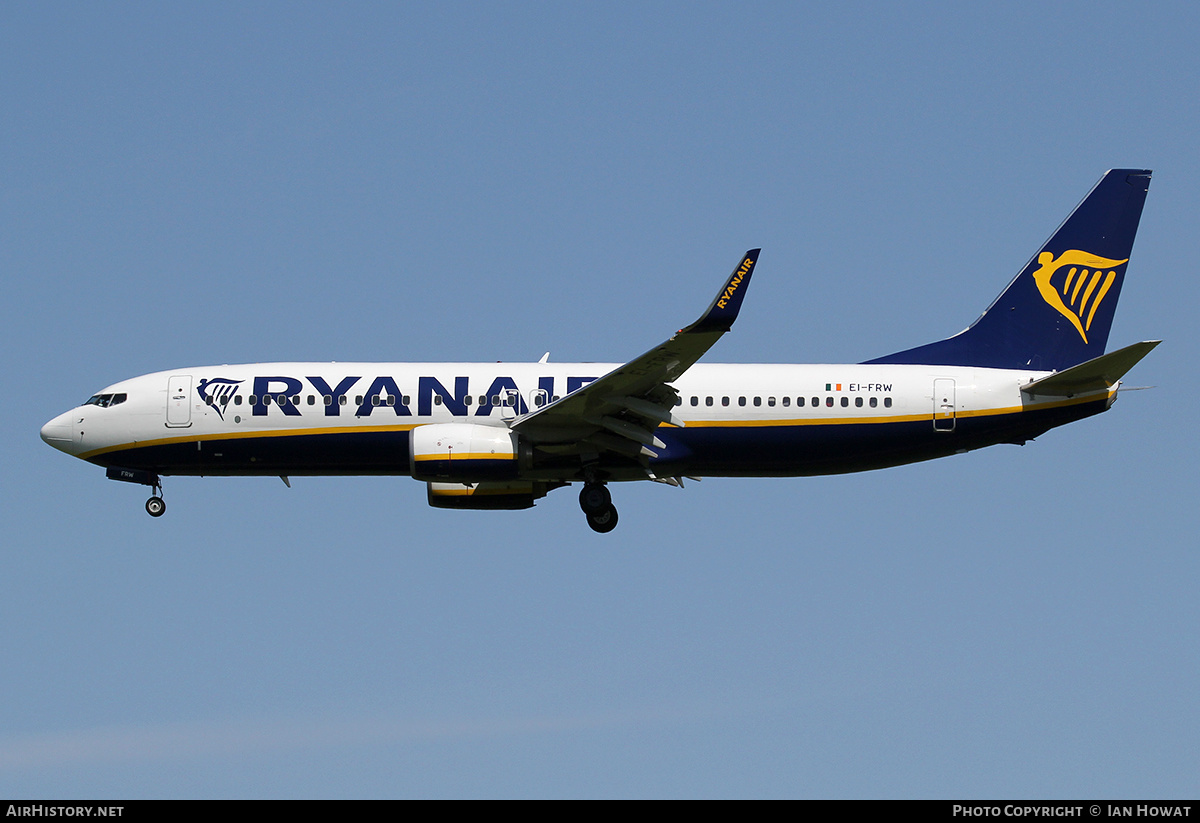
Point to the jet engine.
(463, 453)
(517, 494)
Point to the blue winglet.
(724, 309)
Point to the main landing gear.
(597, 505)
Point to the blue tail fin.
(1057, 312)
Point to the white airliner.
(501, 436)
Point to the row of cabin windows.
(873, 402)
(509, 400)
(376, 400)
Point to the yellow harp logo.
(1083, 286)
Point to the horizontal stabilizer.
(1098, 374)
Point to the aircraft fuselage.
(739, 420)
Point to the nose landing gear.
(156, 506)
(597, 506)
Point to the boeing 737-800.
(501, 436)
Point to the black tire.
(605, 521)
(594, 499)
(155, 507)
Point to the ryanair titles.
(363, 396)
(734, 282)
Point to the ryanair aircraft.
(501, 436)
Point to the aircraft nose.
(57, 432)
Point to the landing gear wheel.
(155, 507)
(605, 521)
(594, 499)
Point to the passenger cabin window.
(741, 401)
(787, 401)
(758, 401)
(695, 400)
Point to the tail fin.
(1058, 311)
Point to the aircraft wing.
(619, 411)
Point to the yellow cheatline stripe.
(467, 456)
(244, 435)
(808, 421)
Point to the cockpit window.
(106, 400)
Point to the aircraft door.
(943, 404)
(509, 400)
(179, 401)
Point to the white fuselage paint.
(153, 413)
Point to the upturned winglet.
(724, 309)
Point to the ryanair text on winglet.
(734, 283)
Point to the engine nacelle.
(463, 452)
(518, 494)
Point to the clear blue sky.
(221, 183)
